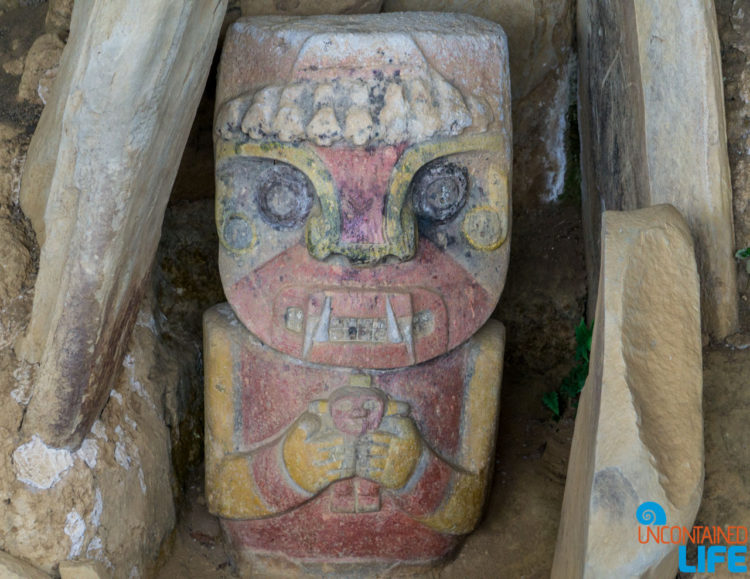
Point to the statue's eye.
(284, 196)
(237, 232)
(438, 190)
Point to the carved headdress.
(339, 89)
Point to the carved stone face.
(362, 194)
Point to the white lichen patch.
(121, 455)
(95, 550)
(96, 512)
(116, 395)
(146, 319)
(555, 141)
(130, 422)
(89, 452)
(39, 465)
(141, 480)
(121, 450)
(135, 384)
(99, 430)
(75, 529)
(23, 377)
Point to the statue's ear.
(319, 407)
(397, 408)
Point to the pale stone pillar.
(639, 429)
(653, 131)
(96, 182)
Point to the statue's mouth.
(340, 326)
(386, 316)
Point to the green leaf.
(552, 401)
(583, 340)
(743, 253)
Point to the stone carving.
(653, 131)
(95, 186)
(352, 381)
(638, 443)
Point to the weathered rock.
(59, 13)
(14, 263)
(110, 501)
(13, 67)
(83, 570)
(12, 148)
(653, 131)
(41, 63)
(95, 185)
(639, 429)
(540, 37)
(306, 8)
(12, 568)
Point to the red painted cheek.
(361, 178)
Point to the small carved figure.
(352, 382)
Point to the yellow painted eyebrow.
(324, 230)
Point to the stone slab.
(734, 33)
(96, 182)
(651, 115)
(12, 568)
(83, 570)
(639, 428)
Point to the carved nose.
(363, 237)
(359, 219)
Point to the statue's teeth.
(321, 332)
(408, 336)
(309, 330)
(394, 335)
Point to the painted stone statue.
(352, 381)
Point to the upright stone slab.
(639, 429)
(96, 182)
(734, 34)
(352, 381)
(653, 131)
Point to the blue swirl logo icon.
(651, 513)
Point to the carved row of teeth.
(329, 328)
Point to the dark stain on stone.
(612, 492)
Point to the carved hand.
(316, 457)
(389, 454)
